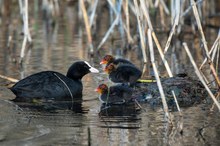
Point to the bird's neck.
(74, 77)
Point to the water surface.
(56, 48)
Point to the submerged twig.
(138, 104)
(177, 104)
(213, 105)
(14, 104)
(200, 76)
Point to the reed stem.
(141, 30)
(175, 24)
(147, 16)
(130, 40)
(9, 78)
(27, 37)
(165, 106)
(93, 13)
(108, 32)
(196, 14)
(87, 25)
(214, 46)
(165, 7)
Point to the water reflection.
(23, 126)
(119, 116)
(75, 106)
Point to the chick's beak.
(103, 62)
(98, 90)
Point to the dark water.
(55, 49)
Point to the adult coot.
(115, 94)
(124, 73)
(51, 85)
(107, 59)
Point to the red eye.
(103, 86)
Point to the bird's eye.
(107, 58)
(103, 86)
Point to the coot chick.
(51, 85)
(115, 94)
(110, 59)
(124, 73)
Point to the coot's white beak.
(93, 70)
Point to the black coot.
(115, 94)
(51, 85)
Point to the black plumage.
(115, 94)
(124, 73)
(51, 85)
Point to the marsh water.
(56, 48)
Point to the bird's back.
(48, 85)
(125, 74)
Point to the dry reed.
(198, 73)
(27, 37)
(147, 16)
(196, 14)
(165, 106)
(87, 25)
(141, 30)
